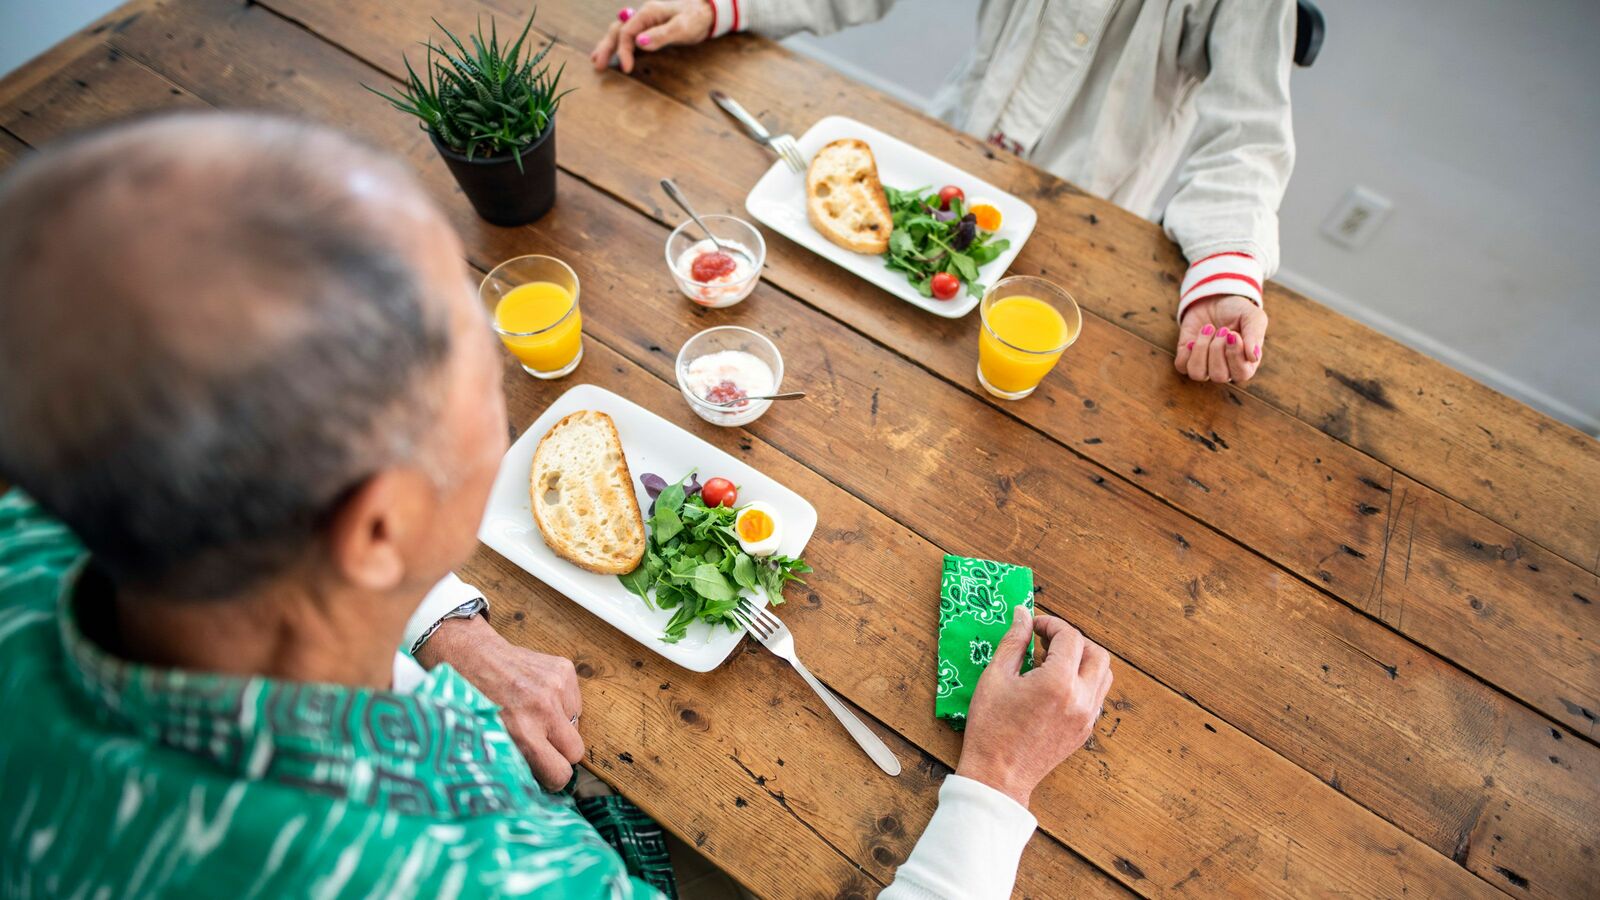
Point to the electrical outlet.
(1356, 217)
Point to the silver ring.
(573, 720)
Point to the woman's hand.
(1221, 339)
(657, 24)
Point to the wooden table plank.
(1355, 384)
(11, 150)
(677, 751)
(47, 65)
(1311, 503)
(354, 114)
(94, 88)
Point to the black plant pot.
(502, 193)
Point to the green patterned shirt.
(122, 780)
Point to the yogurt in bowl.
(726, 365)
(728, 377)
(712, 277)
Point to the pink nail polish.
(1207, 330)
(1258, 353)
(1191, 345)
(624, 14)
(1232, 338)
(644, 40)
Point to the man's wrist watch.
(474, 607)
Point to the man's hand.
(1221, 339)
(538, 694)
(1022, 725)
(656, 24)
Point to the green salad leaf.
(695, 566)
(744, 572)
(641, 579)
(666, 522)
(922, 245)
(706, 581)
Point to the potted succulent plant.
(492, 115)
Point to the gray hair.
(209, 336)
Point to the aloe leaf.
(478, 95)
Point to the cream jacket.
(1107, 94)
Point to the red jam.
(726, 392)
(711, 266)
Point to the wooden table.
(1353, 605)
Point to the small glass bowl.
(728, 229)
(714, 340)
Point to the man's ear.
(371, 535)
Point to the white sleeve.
(781, 18)
(970, 849)
(448, 594)
(1225, 212)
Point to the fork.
(784, 145)
(774, 635)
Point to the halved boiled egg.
(758, 528)
(986, 214)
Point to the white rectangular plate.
(650, 444)
(779, 201)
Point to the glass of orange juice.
(534, 300)
(1027, 322)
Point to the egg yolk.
(755, 525)
(988, 217)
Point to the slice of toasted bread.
(583, 499)
(844, 198)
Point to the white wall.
(29, 27)
(1479, 119)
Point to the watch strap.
(475, 606)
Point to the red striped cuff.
(725, 17)
(1229, 272)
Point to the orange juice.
(1036, 334)
(540, 307)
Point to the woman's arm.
(663, 23)
(1225, 213)
(781, 18)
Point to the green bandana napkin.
(976, 599)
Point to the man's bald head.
(213, 326)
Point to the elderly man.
(241, 362)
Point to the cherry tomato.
(950, 192)
(945, 285)
(719, 492)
